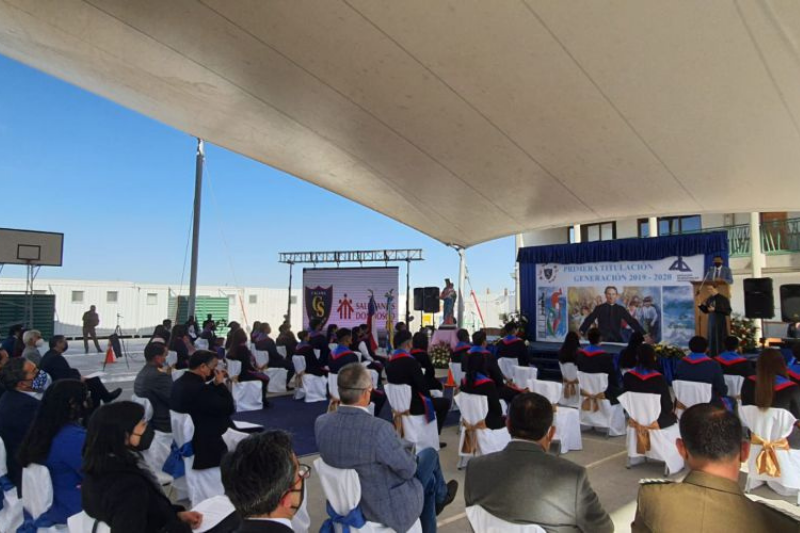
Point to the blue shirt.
(64, 464)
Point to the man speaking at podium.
(719, 272)
(609, 318)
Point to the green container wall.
(12, 311)
(217, 306)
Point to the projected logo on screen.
(318, 302)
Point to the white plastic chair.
(342, 490)
(608, 416)
(569, 375)
(566, 420)
(772, 425)
(690, 393)
(172, 360)
(247, 395)
(156, 455)
(507, 365)
(416, 428)
(299, 364)
(313, 387)
(11, 515)
(37, 495)
(484, 522)
(261, 357)
(644, 409)
(523, 374)
(83, 523)
(201, 484)
(734, 384)
(474, 408)
(201, 344)
(277, 379)
(176, 374)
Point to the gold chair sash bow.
(334, 405)
(555, 407)
(679, 406)
(471, 436)
(397, 420)
(767, 458)
(570, 387)
(591, 402)
(642, 435)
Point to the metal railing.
(777, 237)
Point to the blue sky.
(120, 185)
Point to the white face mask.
(39, 343)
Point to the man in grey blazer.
(524, 484)
(397, 487)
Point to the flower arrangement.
(669, 351)
(440, 355)
(745, 329)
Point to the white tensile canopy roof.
(465, 119)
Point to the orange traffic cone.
(110, 355)
(450, 381)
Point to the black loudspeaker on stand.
(759, 301)
(426, 299)
(790, 303)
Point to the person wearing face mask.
(265, 482)
(55, 440)
(118, 488)
(210, 406)
(719, 271)
(33, 341)
(154, 383)
(18, 406)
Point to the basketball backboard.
(26, 247)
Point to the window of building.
(252, 299)
(77, 297)
(152, 298)
(602, 231)
(671, 225)
(231, 299)
(39, 291)
(112, 297)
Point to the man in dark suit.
(718, 309)
(718, 271)
(265, 482)
(526, 485)
(55, 364)
(210, 406)
(397, 488)
(609, 317)
(153, 382)
(18, 406)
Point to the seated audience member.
(255, 334)
(771, 387)
(191, 328)
(420, 352)
(265, 482)
(286, 339)
(209, 333)
(342, 355)
(709, 498)
(512, 346)
(403, 369)
(154, 383)
(118, 488)
(55, 440)
(159, 335)
(524, 484)
(644, 378)
(14, 336)
(507, 391)
(210, 407)
(793, 368)
(56, 365)
(568, 353)
(233, 327)
(731, 360)
(628, 355)
(238, 351)
(275, 360)
(461, 347)
(18, 408)
(397, 487)
(32, 339)
(330, 335)
(595, 360)
(313, 364)
(363, 348)
(477, 381)
(182, 345)
(699, 367)
(318, 340)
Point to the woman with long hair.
(643, 377)
(568, 353)
(238, 351)
(55, 440)
(118, 487)
(771, 387)
(477, 381)
(181, 344)
(628, 355)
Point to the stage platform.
(544, 356)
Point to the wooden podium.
(701, 318)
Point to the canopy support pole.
(198, 191)
(462, 276)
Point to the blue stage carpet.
(297, 417)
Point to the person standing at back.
(90, 322)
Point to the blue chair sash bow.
(5, 485)
(174, 464)
(29, 525)
(355, 518)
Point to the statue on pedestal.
(448, 297)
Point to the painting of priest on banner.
(611, 318)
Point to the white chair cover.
(277, 379)
(771, 425)
(375, 378)
(484, 522)
(315, 388)
(645, 408)
(83, 523)
(333, 389)
(144, 402)
(362, 347)
(234, 368)
(734, 384)
(201, 344)
(201, 484)
(342, 489)
(317, 354)
(416, 428)
(176, 374)
(569, 371)
(156, 455)
(523, 374)
(232, 438)
(172, 360)
(299, 364)
(507, 365)
(474, 408)
(37, 494)
(11, 515)
(610, 417)
(690, 393)
(282, 351)
(566, 419)
(247, 396)
(261, 356)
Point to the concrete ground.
(604, 458)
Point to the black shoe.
(442, 445)
(113, 395)
(452, 490)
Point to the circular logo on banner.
(548, 273)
